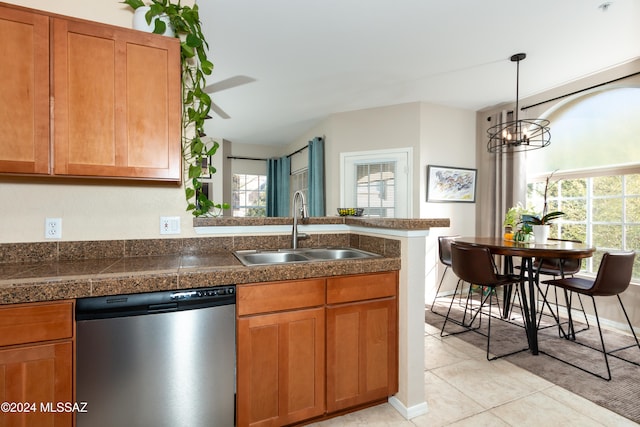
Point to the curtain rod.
(264, 160)
(578, 91)
(297, 151)
(246, 158)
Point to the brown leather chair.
(444, 252)
(475, 265)
(559, 268)
(613, 278)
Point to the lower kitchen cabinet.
(362, 339)
(281, 365)
(36, 364)
(35, 380)
(281, 368)
(310, 348)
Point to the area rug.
(620, 395)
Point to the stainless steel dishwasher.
(157, 359)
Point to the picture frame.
(451, 184)
(204, 165)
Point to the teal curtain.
(316, 199)
(278, 171)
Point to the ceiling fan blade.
(228, 83)
(219, 111)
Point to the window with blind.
(377, 181)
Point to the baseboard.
(408, 413)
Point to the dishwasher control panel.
(203, 293)
(110, 306)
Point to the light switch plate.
(169, 225)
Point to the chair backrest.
(444, 246)
(614, 273)
(569, 266)
(473, 264)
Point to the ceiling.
(312, 58)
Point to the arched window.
(594, 157)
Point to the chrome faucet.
(302, 210)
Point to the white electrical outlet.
(169, 225)
(53, 228)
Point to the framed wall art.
(450, 184)
(204, 164)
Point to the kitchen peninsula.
(51, 271)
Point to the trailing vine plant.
(196, 103)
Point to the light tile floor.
(463, 389)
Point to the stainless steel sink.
(286, 256)
(270, 258)
(337, 253)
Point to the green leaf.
(193, 40)
(156, 9)
(160, 27)
(207, 66)
(187, 50)
(134, 4)
(211, 151)
(194, 171)
(189, 192)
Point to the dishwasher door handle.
(161, 308)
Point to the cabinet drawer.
(278, 296)
(27, 323)
(361, 287)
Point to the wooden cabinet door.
(362, 348)
(281, 367)
(117, 102)
(24, 92)
(38, 375)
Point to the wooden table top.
(551, 249)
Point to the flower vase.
(541, 233)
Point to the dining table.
(527, 252)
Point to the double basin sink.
(287, 256)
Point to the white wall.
(370, 129)
(438, 135)
(446, 139)
(106, 11)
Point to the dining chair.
(559, 268)
(475, 265)
(613, 278)
(444, 253)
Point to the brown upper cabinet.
(114, 104)
(24, 92)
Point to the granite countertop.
(362, 221)
(58, 280)
(48, 271)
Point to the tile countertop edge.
(222, 225)
(60, 288)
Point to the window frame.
(403, 182)
(261, 179)
(591, 264)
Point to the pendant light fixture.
(518, 134)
